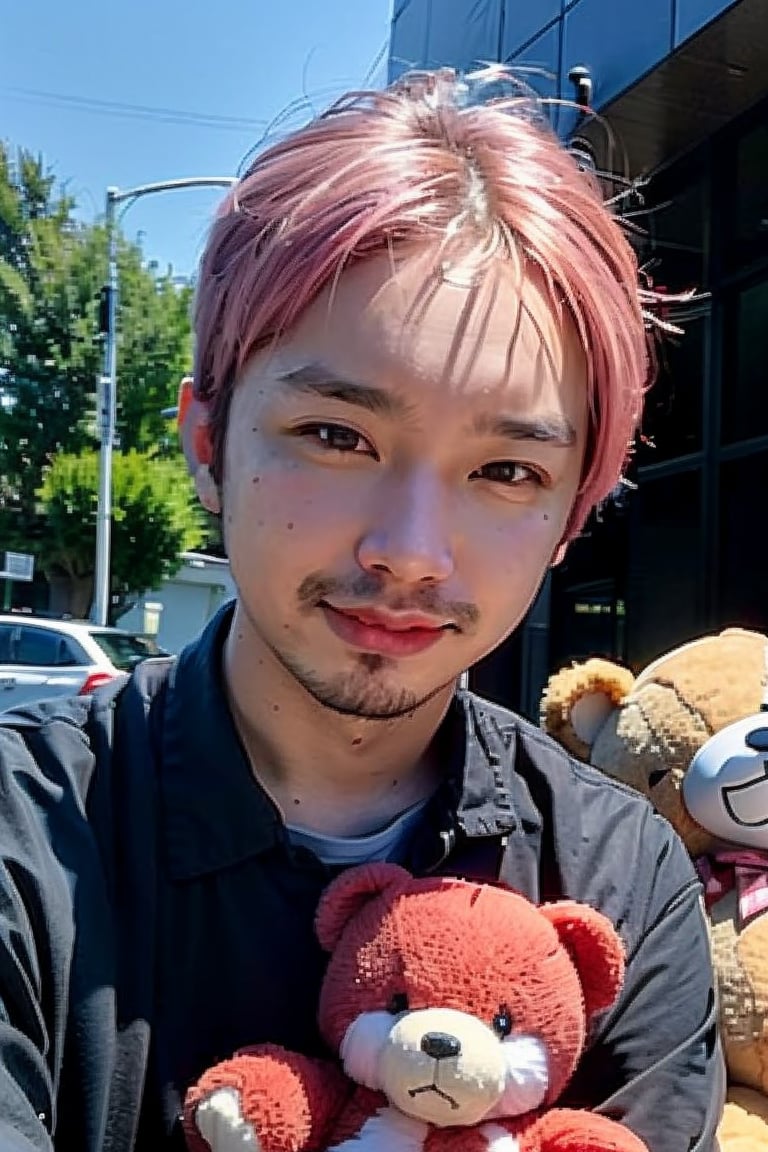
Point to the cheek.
(503, 567)
(280, 497)
(518, 545)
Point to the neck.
(333, 774)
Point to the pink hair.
(421, 163)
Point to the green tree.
(154, 349)
(155, 518)
(48, 356)
(52, 268)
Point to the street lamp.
(108, 379)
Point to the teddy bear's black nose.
(440, 1045)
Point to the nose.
(440, 1045)
(408, 536)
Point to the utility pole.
(107, 409)
(107, 391)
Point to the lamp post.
(107, 406)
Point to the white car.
(41, 658)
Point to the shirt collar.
(216, 814)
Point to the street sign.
(17, 566)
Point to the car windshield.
(125, 649)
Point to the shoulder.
(531, 750)
(612, 848)
(47, 741)
(50, 748)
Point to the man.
(420, 359)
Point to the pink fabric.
(745, 870)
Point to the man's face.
(398, 475)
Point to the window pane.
(664, 583)
(745, 365)
(672, 418)
(588, 590)
(124, 649)
(744, 543)
(37, 646)
(676, 233)
(71, 654)
(6, 646)
(747, 222)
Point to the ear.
(595, 947)
(195, 437)
(578, 700)
(344, 898)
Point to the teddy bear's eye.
(502, 1022)
(398, 1004)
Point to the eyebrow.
(317, 380)
(549, 429)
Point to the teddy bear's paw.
(264, 1099)
(220, 1122)
(498, 1139)
(571, 1130)
(483, 1138)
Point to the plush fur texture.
(459, 1012)
(645, 731)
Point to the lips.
(385, 633)
(393, 621)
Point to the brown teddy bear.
(691, 733)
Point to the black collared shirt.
(154, 916)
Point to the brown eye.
(507, 472)
(502, 1023)
(398, 1004)
(336, 438)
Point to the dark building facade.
(683, 87)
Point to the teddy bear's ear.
(344, 898)
(595, 947)
(578, 700)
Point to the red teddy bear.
(459, 1012)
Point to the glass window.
(745, 366)
(37, 646)
(676, 232)
(673, 413)
(124, 649)
(664, 583)
(744, 543)
(587, 617)
(6, 642)
(591, 623)
(746, 224)
(71, 654)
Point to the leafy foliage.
(154, 518)
(52, 268)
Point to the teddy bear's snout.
(440, 1045)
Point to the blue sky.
(149, 90)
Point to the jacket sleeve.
(656, 1064)
(37, 805)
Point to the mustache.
(369, 589)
